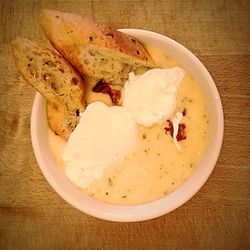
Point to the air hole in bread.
(110, 35)
(46, 76)
(46, 63)
(91, 52)
(36, 53)
(125, 68)
(86, 61)
(54, 85)
(104, 61)
(52, 64)
(105, 73)
(74, 81)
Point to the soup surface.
(156, 166)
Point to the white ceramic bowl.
(91, 206)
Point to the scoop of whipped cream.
(103, 136)
(151, 97)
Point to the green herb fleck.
(186, 99)
(110, 181)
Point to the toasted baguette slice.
(51, 75)
(96, 50)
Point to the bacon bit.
(170, 128)
(105, 88)
(181, 130)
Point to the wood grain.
(33, 216)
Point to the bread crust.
(75, 36)
(66, 29)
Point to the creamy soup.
(156, 166)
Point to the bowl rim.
(141, 212)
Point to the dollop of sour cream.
(103, 136)
(151, 97)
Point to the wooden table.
(33, 216)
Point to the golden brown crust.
(65, 28)
(96, 50)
